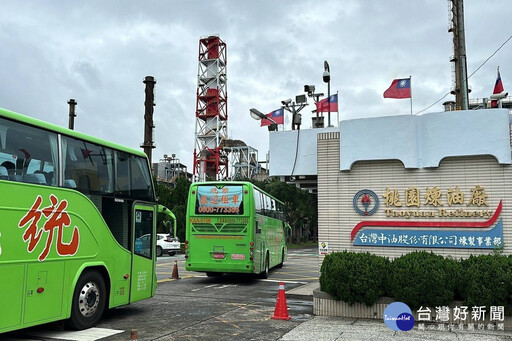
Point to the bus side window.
(257, 201)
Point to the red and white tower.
(210, 160)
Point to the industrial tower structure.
(210, 159)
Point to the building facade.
(437, 182)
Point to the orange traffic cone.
(175, 271)
(281, 311)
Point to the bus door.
(143, 252)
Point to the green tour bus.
(77, 228)
(234, 227)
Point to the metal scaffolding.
(243, 161)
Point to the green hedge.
(418, 279)
(354, 277)
(486, 280)
(423, 279)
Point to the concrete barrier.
(325, 305)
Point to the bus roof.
(65, 131)
(250, 184)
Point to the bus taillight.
(251, 258)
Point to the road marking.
(227, 286)
(91, 334)
(281, 280)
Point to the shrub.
(423, 279)
(354, 277)
(486, 280)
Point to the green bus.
(234, 227)
(77, 228)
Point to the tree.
(301, 207)
(174, 199)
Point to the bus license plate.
(218, 255)
(238, 256)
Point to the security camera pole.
(295, 108)
(310, 90)
(327, 79)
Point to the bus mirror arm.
(168, 212)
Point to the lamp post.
(258, 115)
(327, 79)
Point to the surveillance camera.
(286, 101)
(326, 76)
(309, 89)
(499, 96)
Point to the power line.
(478, 68)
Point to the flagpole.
(338, 113)
(410, 83)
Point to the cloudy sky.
(99, 52)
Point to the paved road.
(196, 307)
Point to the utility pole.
(460, 90)
(72, 103)
(149, 103)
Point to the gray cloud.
(99, 52)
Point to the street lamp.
(258, 115)
(327, 79)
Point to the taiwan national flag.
(276, 115)
(498, 88)
(329, 104)
(399, 88)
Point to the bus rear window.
(219, 200)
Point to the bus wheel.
(264, 274)
(280, 265)
(158, 251)
(89, 300)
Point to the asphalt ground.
(235, 307)
(301, 266)
(196, 307)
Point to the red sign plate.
(218, 256)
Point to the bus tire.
(89, 300)
(280, 265)
(264, 274)
(158, 251)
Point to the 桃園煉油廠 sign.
(428, 217)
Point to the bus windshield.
(219, 199)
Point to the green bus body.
(234, 227)
(77, 217)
